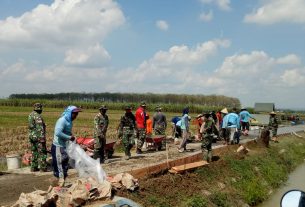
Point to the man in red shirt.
(141, 126)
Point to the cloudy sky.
(250, 49)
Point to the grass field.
(14, 123)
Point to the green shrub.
(220, 199)
(196, 201)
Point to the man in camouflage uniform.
(208, 128)
(101, 122)
(126, 131)
(159, 122)
(37, 139)
(273, 125)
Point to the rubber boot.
(209, 156)
(205, 155)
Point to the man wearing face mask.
(101, 123)
(37, 138)
(126, 131)
(207, 130)
(62, 134)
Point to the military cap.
(103, 107)
(37, 106)
(206, 114)
(128, 107)
(143, 103)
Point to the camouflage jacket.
(101, 123)
(273, 122)
(209, 126)
(37, 127)
(128, 121)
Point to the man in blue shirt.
(62, 134)
(245, 117)
(231, 123)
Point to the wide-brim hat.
(272, 113)
(143, 103)
(224, 111)
(199, 115)
(103, 107)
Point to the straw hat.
(224, 111)
(272, 113)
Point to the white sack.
(85, 165)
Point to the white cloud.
(221, 4)
(92, 56)
(256, 76)
(290, 59)
(162, 25)
(175, 65)
(278, 11)
(183, 55)
(62, 24)
(294, 77)
(206, 17)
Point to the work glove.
(72, 138)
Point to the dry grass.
(14, 132)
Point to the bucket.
(13, 161)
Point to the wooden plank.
(182, 168)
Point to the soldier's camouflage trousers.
(39, 156)
(274, 131)
(206, 147)
(127, 140)
(141, 135)
(159, 130)
(99, 147)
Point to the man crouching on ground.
(62, 134)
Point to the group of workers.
(220, 125)
(62, 133)
(131, 127)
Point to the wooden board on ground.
(189, 166)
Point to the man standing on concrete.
(101, 123)
(62, 134)
(126, 131)
(207, 133)
(37, 139)
(159, 122)
(245, 117)
(273, 125)
(141, 126)
(185, 129)
(231, 123)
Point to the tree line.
(186, 99)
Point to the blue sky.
(249, 49)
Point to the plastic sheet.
(84, 164)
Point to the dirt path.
(22, 180)
(12, 185)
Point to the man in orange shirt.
(149, 124)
